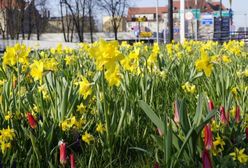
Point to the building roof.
(189, 4)
(18, 4)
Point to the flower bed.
(111, 105)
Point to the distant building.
(107, 25)
(55, 24)
(136, 24)
(19, 16)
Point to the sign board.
(221, 28)
(224, 13)
(189, 15)
(196, 13)
(207, 22)
(176, 30)
(207, 19)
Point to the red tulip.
(62, 153)
(156, 165)
(206, 160)
(210, 105)
(176, 113)
(31, 120)
(237, 114)
(223, 117)
(208, 137)
(72, 160)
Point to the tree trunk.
(62, 20)
(22, 24)
(91, 26)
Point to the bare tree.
(75, 8)
(67, 22)
(115, 9)
(11, 15)
(37, 17)
(81, 13)
(91, 5)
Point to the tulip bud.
(160, 132)
(208, 137)
(176, 113)
(62, 153)
(156, 165)
(31, 120)
(14, 84)
(237, 114)
(72, 160)
(210, 105)
(206, 159)
(223, 117)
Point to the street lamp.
(245, 23)
(170, 20)
(157, 21)
(182, 21)
(220, 20)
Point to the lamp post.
(157, 21)
(170, 20)
(245, 24)
(182, 21)
(220, 20)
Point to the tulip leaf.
(151, 114)
(168, 144)
(183, 117)
(199, 109)
(205, 121)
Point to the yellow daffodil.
(50, 64)
(8, 116)
(37, 68)
(17, 54)
(152, 60)
(226, 59)
(204, 64)
(113, 76)
(69, 59)
(239, 155)
(235, 91)
(188, 87)
(81, 108)
(131, 62)
(100, 128)
(87, 137)
(85, 88)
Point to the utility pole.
(221, 20)
(170, 19)
(182, 21)
(157, 22)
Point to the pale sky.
(240, 8)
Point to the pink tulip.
(62, 153)
(223, 117)
(208, 137)
(160, 132)
(237, 114)
(206, 160)
(72, 160)
(176, 113)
